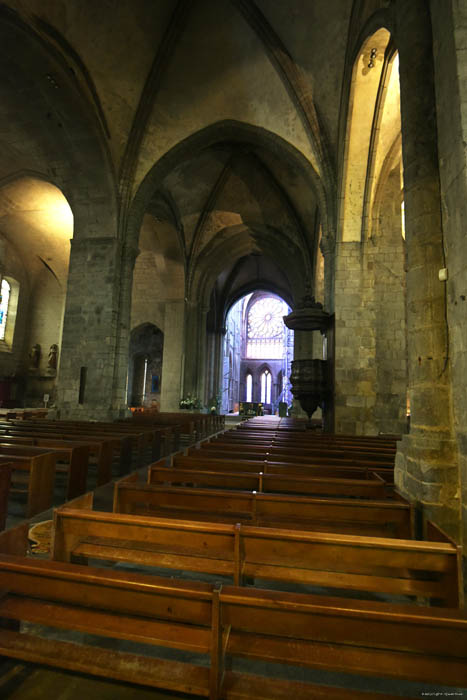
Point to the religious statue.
(35, 356)
(52, 360)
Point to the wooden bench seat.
(358, 637)
(373, 487)
(432, 570)
(386, 518)
(401, 642)
(144, 609)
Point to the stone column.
(215, 340)
(120, 398)
(195, 334)
(173, 355)
(89, 341)
(425, 464)
(450, 41)
(328, 248)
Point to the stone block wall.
(90, 329)
(370, 350)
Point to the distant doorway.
(258, 352)
(145, 366)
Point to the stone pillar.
(354, 361)
(450, 41)
(328, 248)
(89, 341)
(173, 355)
(196, 335)
(120, 397)
(214, 353)
(426, 467)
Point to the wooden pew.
(363, 638)
(124, 442)
(327, 444)
(313, 455)
(262, 482)
(103, 447)
(387, 472)
(367, 564)
(74, 453)
(388, 518)
(196, 459)
(144, 609)
(5, 483)
(145, 437)
(359, 637)
(39, 473)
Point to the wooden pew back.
(374, 487)
(376, 565)
(359, 517)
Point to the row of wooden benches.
(38, 450)
(431, 570)
(231, 623)
(225, 623)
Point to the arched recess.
(58, 131)
(240, 241)
(258, 341)
(370, 276)
(36, 226)
(248, 386)
(210, 237)
(366, 83)
(145, 365)
(265, 383)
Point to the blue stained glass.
(5, 300)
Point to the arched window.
(4, 305)
(266, 380)
(266, 329)
(249, 388)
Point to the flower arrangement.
(190, 402)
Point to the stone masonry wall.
(449, 20)
(370, 352)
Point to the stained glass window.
(249, 388)
(265, 329)
(266, 386)
(5, 300)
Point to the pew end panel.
(5, 483)
(15, 540)
(434, 533)
(132, 478)
(63, 542)
(160, 464)
(41, 484)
